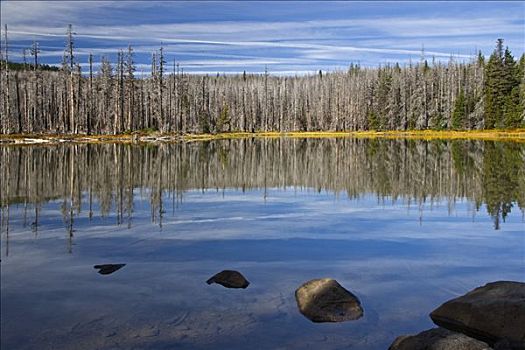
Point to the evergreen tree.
(459, 115)
(494, 88)
(373, 121)
(224, 119)
(481, 58)
(383, 91)
(502, 92)
(511, 104)
(520, 71)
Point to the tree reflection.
(503, 179)
(111, 175)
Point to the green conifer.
(459, 115)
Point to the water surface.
(404, 225)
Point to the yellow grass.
(515, 135)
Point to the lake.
(403, 224)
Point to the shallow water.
(404, 225)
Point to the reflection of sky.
(401, 261)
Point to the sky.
(287, 37)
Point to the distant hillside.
(27, 66)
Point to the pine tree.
(459, 115)
(501, 90)
(521, 76)
(384, 86)
(511, 106)
(493, 88)
(224, 119)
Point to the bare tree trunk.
(7, 128)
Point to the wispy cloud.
(253, 35)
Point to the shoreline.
(515, 135)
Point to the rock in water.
(494, 313)
(438, 339)
(107, 269)
(325, 300)
(229, 279)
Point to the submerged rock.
(229, 279)
(438, 339)
(325, 300)
(494, 313)
(107, 269)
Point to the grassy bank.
(516, 135)
(510, 135)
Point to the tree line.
(478, 94)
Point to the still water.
(404, 225)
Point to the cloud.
(240, 39)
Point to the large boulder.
(325, 300)
(494, 313)
(438, 339)
(229, 279)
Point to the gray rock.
(229, 279)
(494, 313)
(325, 300)
(438, 339)
(107, 269)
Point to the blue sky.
(288, 37)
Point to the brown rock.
(229, 279)
(494, 313)
(438, 339)
(325, 300)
